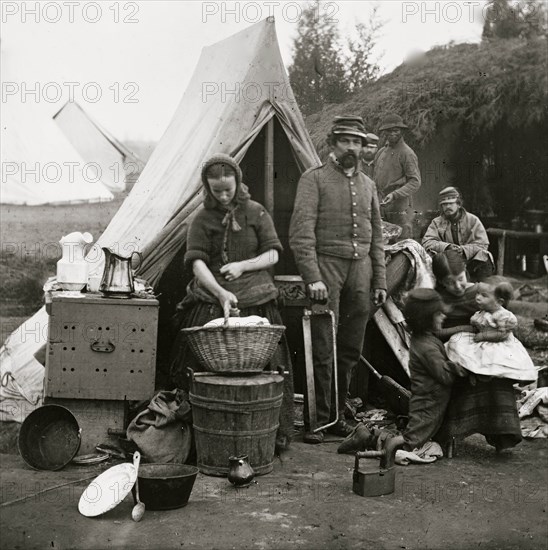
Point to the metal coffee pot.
(240, 472)
(117, 281)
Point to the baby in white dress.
(493, 350)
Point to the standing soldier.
(397, 176)
(336, 238)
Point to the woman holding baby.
(478, 328)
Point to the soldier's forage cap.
(352, 125)
(371, 139)
(392, 121)
(449, 195)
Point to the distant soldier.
(368, 153)
(397, 176)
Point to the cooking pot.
(49, 438)
(165, 486)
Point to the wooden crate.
(95, 417)
(101, 348)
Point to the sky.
(127, 63)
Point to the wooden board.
(95, 417)
(393, 339)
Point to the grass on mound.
(478, 86)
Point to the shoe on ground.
(313, 438)
(359, 440)
(342, 428)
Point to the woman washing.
(231, 246)
(489, 407)
(493, 350)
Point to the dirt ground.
(475, 500)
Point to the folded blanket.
(533, 413)
(421, 275)
(530, 399)
(426, 454)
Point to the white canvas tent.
(116, 163)
(39, 165)
(238, 101)
(237, 94)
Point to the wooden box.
(95, 418)
(101, 348)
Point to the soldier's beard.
(348, 160)
(452, 216)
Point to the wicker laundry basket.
(234, 348)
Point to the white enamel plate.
(107, 490)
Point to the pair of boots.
(362, 438)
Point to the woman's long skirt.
(488, 408)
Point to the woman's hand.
(491, 335)
(227, 301)
(232, 271)
(445, 333)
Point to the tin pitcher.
(117, 281)
(240, 472)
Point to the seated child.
(493, 350)
(432, 374)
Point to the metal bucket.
(233, 416)
(166, 486)
(49, 438)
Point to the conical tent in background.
(39, 165)
(238, 101)
(117, 164)
(238, 85)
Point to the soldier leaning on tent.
(397, 176)
(336, 238)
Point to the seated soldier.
(456, 229)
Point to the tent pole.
(269, 167)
